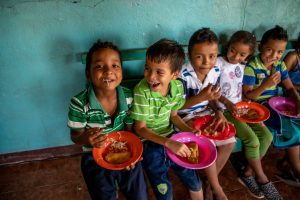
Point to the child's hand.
(220, 120)
(273, 79)
(178, 148)
(132, 165)
(231, 107)
(211, 92)
(95, 137)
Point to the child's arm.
(176, 147)
(271, 80)
(208, 93)
(219, 117)
(291, 60)
(179, 123)
(91, 136)
(228, 104)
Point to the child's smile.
(272, 51)
(106, 70)
(158, 76)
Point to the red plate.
(133, 142)
(262, 112)
(201, 123)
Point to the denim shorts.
(156, 163)
(103, 183)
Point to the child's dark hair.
(200, 36)
(297, 45)
(276, 33)
(97, 46)
(244, 37)
(167, 50)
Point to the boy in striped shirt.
(156, 101)
(100, 109)
(261, 78)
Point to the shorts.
(156, 163)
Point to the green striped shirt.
(85, 111)
(155, 109)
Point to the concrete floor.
(61, 179)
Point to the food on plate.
(209, 131)
(193, 158)
(289, 112)
(248, 113)
(118, 152)
(252, 114)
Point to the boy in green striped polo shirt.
(100, 109)
(156, 100)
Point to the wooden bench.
(133, 69)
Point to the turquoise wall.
(41, 41)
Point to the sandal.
(289, 178)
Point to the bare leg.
(256, 166)
(224, 152)
(294, 156)
(196, 195)
(212, 176)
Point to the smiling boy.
(156, 101)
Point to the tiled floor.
(61, 179)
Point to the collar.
(209, 76)
(94, 103)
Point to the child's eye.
(280, 52)
(198, 57)
(115, 66)
(99, 66)
(212, 56)
(159, 72)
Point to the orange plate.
(134, 143)
(263, 112)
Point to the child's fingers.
(98, 142)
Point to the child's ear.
(175, 75)
(87, 75)
(259, 47)
(188, 56)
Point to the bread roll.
(193, 146)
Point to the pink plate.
(283, 105)
(207, 151)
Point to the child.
(292, 62)
(199, 76)
(255, 137)
(262, 75)
(100, 109)
(156, 101)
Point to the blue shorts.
(156, 163)
(103, 183)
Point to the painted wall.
(41, 41)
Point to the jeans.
(156, 163)
(103, 183)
